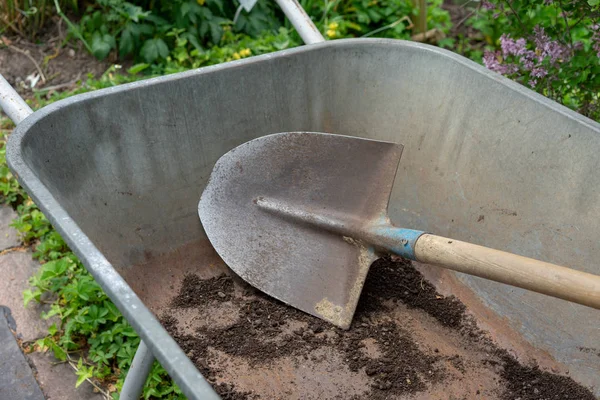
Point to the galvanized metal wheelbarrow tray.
(119, 172)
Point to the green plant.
(378, 18)
(550, 46)
(149, 31)
(235, 46)
(89, 325)
(28, 17)
(10, 191)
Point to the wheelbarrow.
(119, 173)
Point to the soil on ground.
(406, 341)
(61, 63)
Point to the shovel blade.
(313, 269)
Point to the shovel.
(301, 216)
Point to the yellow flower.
(236, 56)
(245, 52)
(333, 26)
(330, 33)
(201, 2)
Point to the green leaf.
(58, 351)
(102, 44)
(28, 295)
(153, 49)
(135, 13)
(52, 329)
(593, 2)
(218, 3)
(193, 39)
(216, 30)
(138, 68)
(126, 42)
(83, 373)
(54, 310)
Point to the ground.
(49, 62)
(57, 380)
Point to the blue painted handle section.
(399, 241)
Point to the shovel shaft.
(538, 276)
(527, 273)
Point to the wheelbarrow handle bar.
(12, 104)
(527, 273)
(301, 21)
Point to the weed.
(28, 17)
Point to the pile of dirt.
(530, 383)
(381, 351)
(399, 282)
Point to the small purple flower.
(490, 60)
(549, 48)
(512, 47)
(532, 82)
(487, 5)
(528, 60)
(595, 39)
(539, 72)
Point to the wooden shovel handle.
(527, 273)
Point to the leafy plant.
(10, 191)
(149, 31)
(380, 18)
(89, 324)
(550, 46)
(235, 47)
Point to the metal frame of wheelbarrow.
(347, 95)
(183, 372)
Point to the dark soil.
(199, 292)
(61, 65)
(261, 334)
(530, 383)
(400, 282)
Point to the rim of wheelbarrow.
(163, 346)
